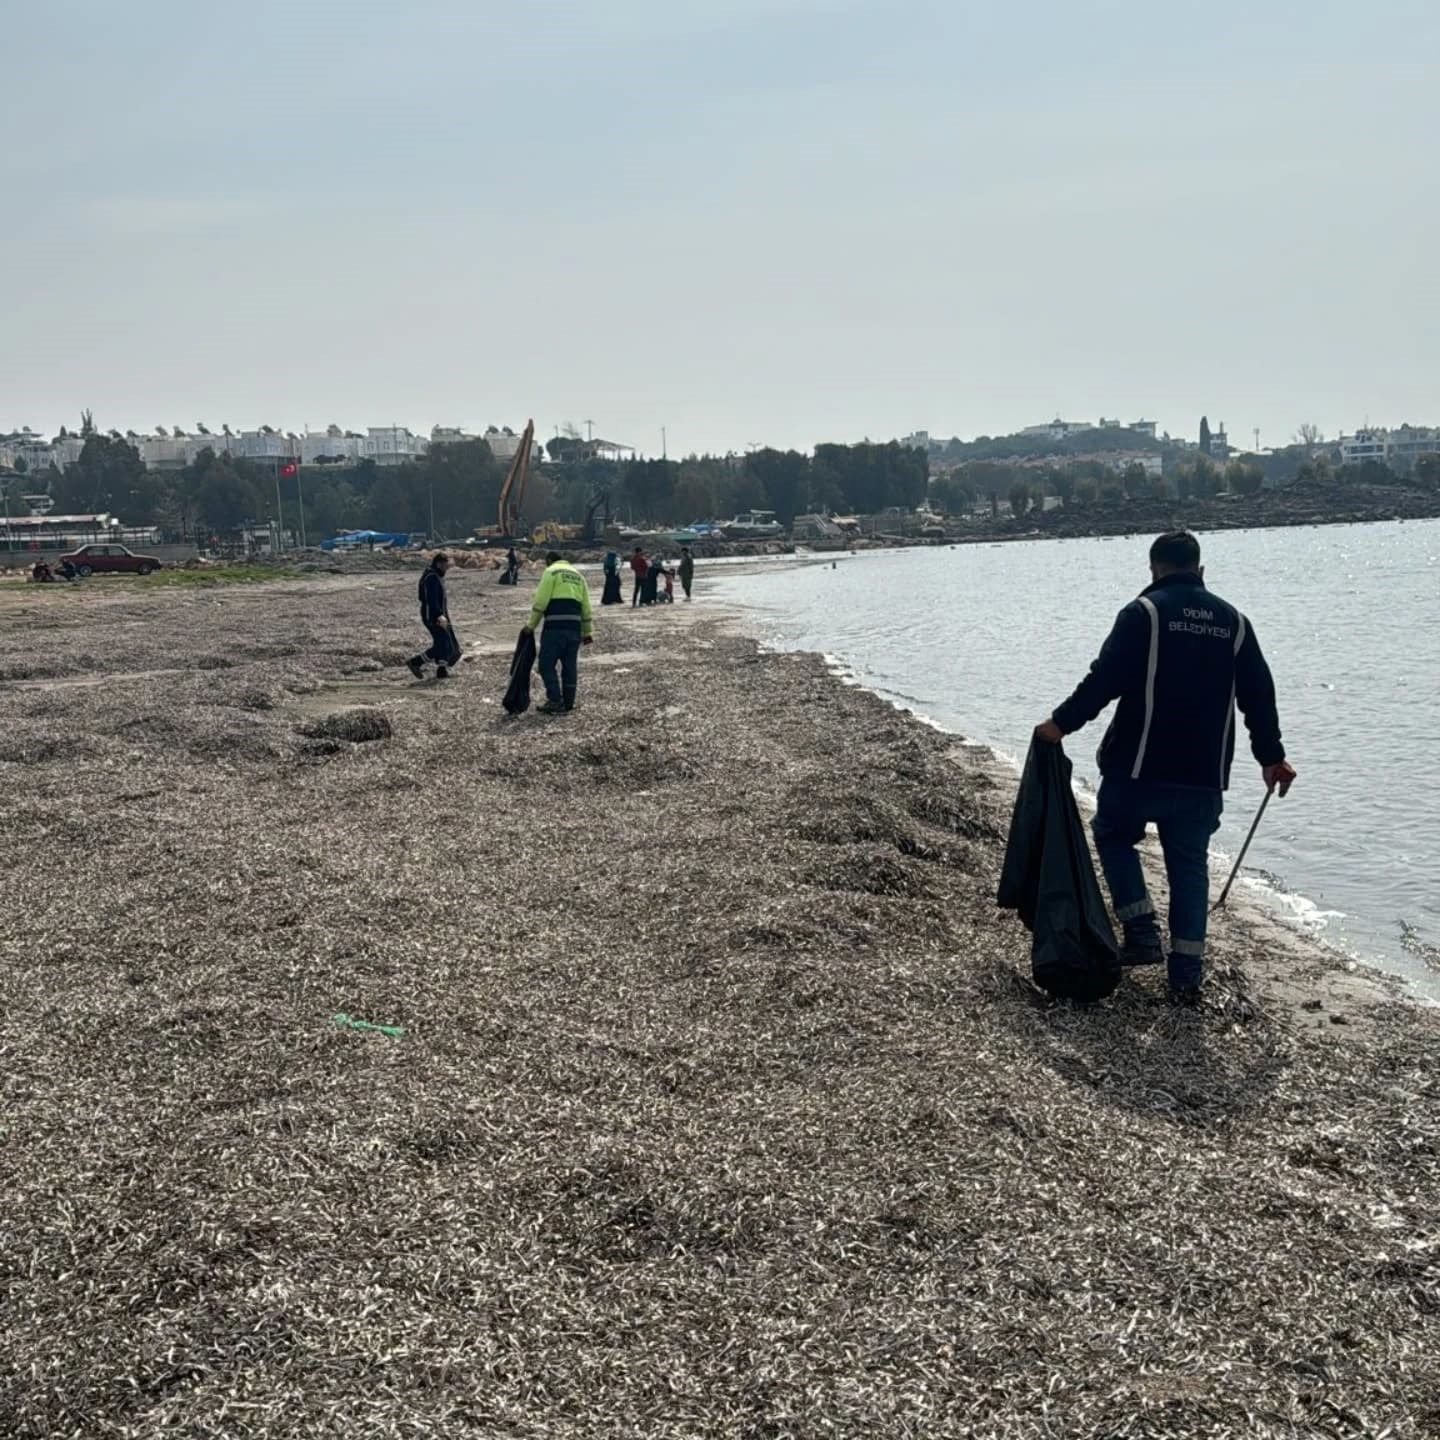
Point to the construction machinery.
(512, 493)
(599, 501)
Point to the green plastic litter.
(395, 1032)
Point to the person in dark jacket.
(435, 616)
(687, 570)
(611, 594)
(639, 567)
(1178, 659)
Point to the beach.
(720, 1102)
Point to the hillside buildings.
(26, 451)
(1399, 448)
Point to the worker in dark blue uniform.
(435, 616)
(562, 602)
(1178, 659)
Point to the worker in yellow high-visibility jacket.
(562, 602)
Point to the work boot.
(1187, 997)
(416, 667)
(550, 707)
(1135, 953)
(441, 673)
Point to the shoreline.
(1257, 910)
(723, 1105)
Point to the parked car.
(109, 560)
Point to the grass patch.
(216, 575)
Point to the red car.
(108, 560)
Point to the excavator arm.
(512, 493)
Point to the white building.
(328, 447)
(35, 453)
(1058, 429)
(504, 444)
(392, 445)
(1144, 427)
(174, 452)
(1399, 449)
(262, 444)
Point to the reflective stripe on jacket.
(1178, 659)
(563, 598)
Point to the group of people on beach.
(654, 580)
(42, 574)
(561, 606)
(1178, 660)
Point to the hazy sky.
(775, 221)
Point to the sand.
(723, 1105)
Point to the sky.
(748, 222)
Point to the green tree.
(1136, 481)
(952, 494)
(1197, 477)
(1062, 485)
(464, 480)
(784, 475)
(1242, 478)
(1205, 441)
(649, 487)
(110, 478)
(217, 495)
(1427, 471)
(1020, 497)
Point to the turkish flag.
(289, 470)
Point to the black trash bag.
(517, 697)
(1050, 881)
(444, 647)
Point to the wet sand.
(723, 1105)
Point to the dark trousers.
(442, 646)
(560, 651)
(639, 585)
(1185, 819)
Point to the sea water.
(985, 640)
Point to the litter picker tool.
(1244, 850)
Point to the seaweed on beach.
(711, 1096)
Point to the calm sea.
(984, 639)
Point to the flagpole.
(279, 514)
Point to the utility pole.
(279, 512)
(589, 431)
(664, 450)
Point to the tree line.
(455, 488)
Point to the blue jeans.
(1186, 819)
(560, 650)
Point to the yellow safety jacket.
(562, 599)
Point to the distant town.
(265, 487)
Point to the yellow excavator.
(512, 493)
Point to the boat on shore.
(753, 525)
